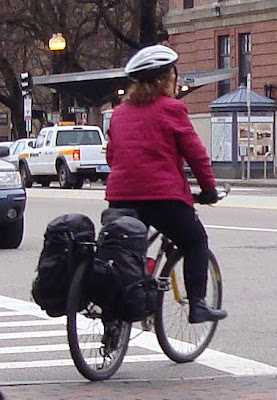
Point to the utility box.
(234, 134)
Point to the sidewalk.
(227, 388)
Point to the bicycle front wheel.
(85, 331)
(181, 341)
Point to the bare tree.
(26, 27)
(142, 22)
(99, 34)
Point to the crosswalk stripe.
(11, 313)
(35, 334)
(13, 324)
(220, 361)
(43, 348)
(69, 362)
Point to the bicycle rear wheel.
(85, 330)
(181, 341)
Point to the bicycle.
(181, 344)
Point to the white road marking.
(234, 201)
(251, 202)
(233, 364)
(10, 313)
(66, 194)
(13, 324)
(241, 228)
(28, 335)
(43, 348)
(69, 362)
(228, 363)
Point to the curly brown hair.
(140, 93)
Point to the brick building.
(228, 33)
(210, 34)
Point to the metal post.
(248, 100)
(267, 154)
(242, 168)
(28, 114)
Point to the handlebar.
(222, 192)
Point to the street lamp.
(57, 44)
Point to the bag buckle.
(163, 284)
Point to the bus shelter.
(234, 136)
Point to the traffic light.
(26, 83)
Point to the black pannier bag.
(118, 280)
(58, 261)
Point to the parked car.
(12, 204)
(16, 148)
(68, 154)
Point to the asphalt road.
(242, 232)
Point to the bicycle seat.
(110, 214)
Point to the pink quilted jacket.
(146, 151)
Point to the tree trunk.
(148, 34)
(19, 130)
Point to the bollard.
(267, 154)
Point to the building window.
(224, 62)
(244, 57)
(188, 3)
(271, 91)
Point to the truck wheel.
(78, 184)
(26, 177)
(64, 177)
(13, 234)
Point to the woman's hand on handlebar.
(211, 196)
(206, 197)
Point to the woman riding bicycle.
(150, 137)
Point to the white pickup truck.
(68, 154)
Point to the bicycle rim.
(180, 340)
(85, 331)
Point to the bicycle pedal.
(148, 323)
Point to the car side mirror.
(31, 144)
(4, 151)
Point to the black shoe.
(200, 312)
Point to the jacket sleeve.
(191, 147)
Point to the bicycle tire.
(181, 341)
(85, 330)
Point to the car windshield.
(12, 147)
(72, 137)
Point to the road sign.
(27, 108)
(77, 110)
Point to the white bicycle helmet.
(149, 61)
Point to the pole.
(248, 100)
(27, 99)
(242, 168)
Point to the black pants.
(178, 222)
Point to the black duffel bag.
(59, 259)
(118, 280)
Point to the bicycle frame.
(171, 251)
